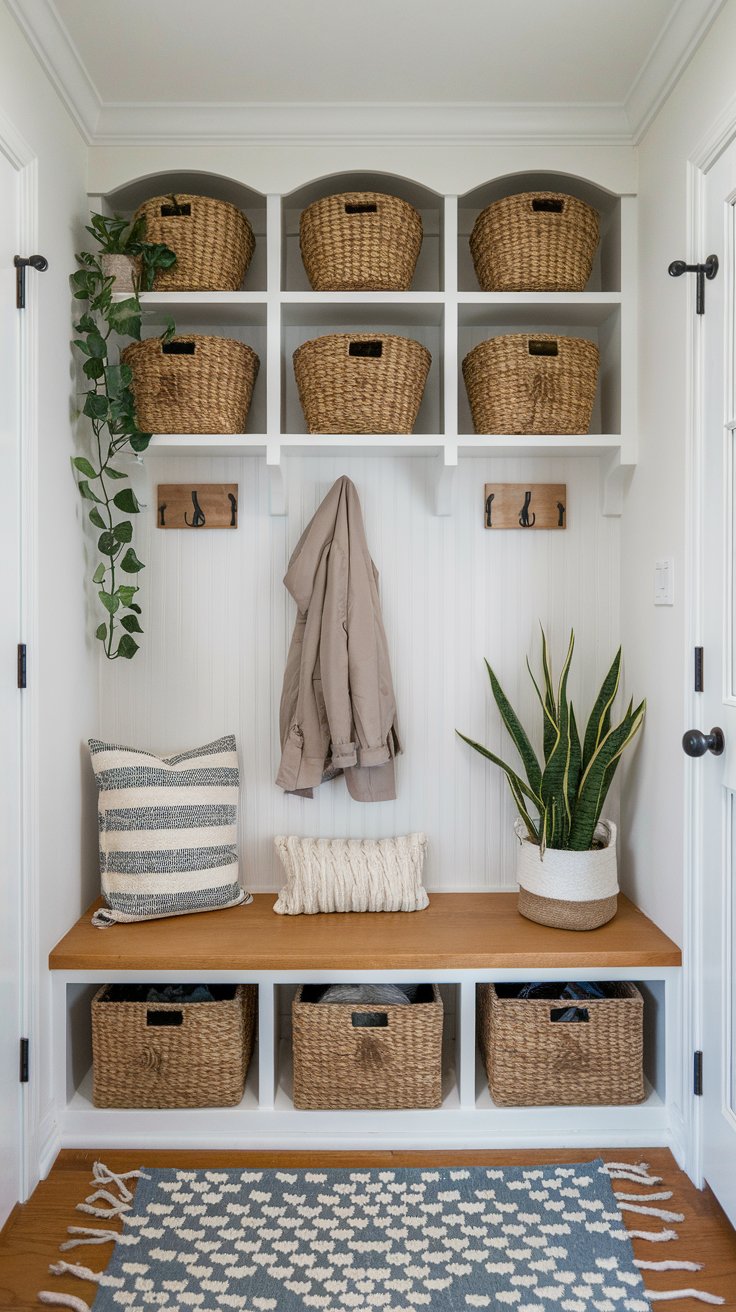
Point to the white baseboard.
(49, 1144)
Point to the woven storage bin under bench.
(171, 1054)
(355, 1056)
(533, 1057)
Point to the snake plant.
(560, 802)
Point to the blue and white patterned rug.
(530, 1239)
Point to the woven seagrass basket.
(212, 240)
(537, 241)
(348, 1056)
(170, 1054)
(532, 1060)
(193, 384)
(532, 383)
(360, 241)
(361, 382)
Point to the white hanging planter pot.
(123, 268)
(569, 890)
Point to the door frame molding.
(719, 137)
(24, 160)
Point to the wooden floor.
(32, 1237)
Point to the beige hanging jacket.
(338, 710)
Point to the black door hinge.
(22, 665)
(698, 669)
(24, 1061)
(21, 264)
(698, 1074)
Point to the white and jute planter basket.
(123, 268)
(569, 890)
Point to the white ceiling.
(111, 60)
(364, 50)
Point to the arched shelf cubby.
(276, 310)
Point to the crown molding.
(145, 123)
(669, 56)
(329, 124)
(46, 34)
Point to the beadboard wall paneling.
(218, 623)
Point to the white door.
(716, 774)
(10, 709)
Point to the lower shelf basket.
(171, 1054)
(533, 1057)
(348, 1056)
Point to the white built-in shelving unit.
(266, 1116)
(276, 311)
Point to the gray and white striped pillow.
(167, 831)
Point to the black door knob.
(696, 743)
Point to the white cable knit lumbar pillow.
(351, 874)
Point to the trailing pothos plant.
(109, 406)
(116, 235)
(567, 792)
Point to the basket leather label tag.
(525, 506)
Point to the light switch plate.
(664, 582)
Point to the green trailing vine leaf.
(109, 406)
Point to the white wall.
(658, 662)
(218, 621)
(60, 671)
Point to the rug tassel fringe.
(668, 1295)
(63, 1300)
(70, 1269)
(654, 1236)
(117, 1206)
(91, 1236)
(651, 1211)
(645, 1198)
(634, 1176)
(102, 1174)
(667, 1266)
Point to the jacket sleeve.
(334, 659)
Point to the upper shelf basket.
(212, 240)
(360, 241)
(536, 241)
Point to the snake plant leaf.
(574, 765)
(571, 792)
(600, 717)
(531, 828)
(510, 774)
(597, 777)
(516, 729)
(549, 727)
(556, 770)
(549, 690)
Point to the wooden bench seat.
(463, 931)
